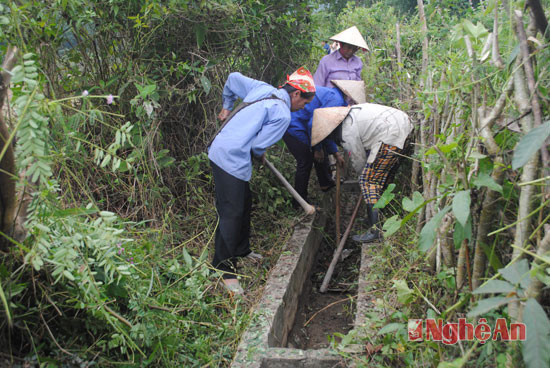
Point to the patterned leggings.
(375, 174)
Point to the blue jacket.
(251, 130)
(300, 122)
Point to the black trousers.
(233, 203)
(304, 161)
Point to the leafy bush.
(113, 109)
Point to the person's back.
(246, 133)
(300, 123)
(298, 140)
(326, 47)
(380, 129)
(378, 123)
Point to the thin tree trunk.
(399, 60)
(423, 133)
(489, 203)
(428, 176)
(5, 76)
(398, 46)
(447, 246)
(463, 271)
(522, 99)
(420, 220)
(537, 14)
(431, 209)
(461, 265)
(8, 197)
(529, 72)
(414, 171)
(487, 47)
(486, 219)
(425, 43)
(495, 57)
(432, 194)
(535, 288)
(425, 177)
(531, 82)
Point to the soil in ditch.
(320, 316)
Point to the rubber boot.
(374, 234)
(367, 220)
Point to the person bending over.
(259, 122)
(380, 129)
(298, 136)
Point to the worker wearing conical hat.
(259, 122)
(342, 64)
(382, 130)
(298, 136)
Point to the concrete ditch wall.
(263, 343)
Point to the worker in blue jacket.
(260, 122)
(298, 141)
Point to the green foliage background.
(121, 214)
(121, 218)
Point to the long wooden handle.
(337, 199)
(310, 210)
(338, 251)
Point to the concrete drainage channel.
(265, 343)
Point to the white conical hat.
(351, 36)
(353, 89)
(325, 120)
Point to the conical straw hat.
(325, 120)
(353, 89)
(351, 36)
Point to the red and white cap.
(302, 80)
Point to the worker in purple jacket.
(341, 64)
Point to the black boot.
(368, 219)
(374, 234)
(373, 215)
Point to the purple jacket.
(335, 66)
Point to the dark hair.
(336, 135)
(307, 95)
(353, 47)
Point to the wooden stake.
(337, 203)
(338, 251)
